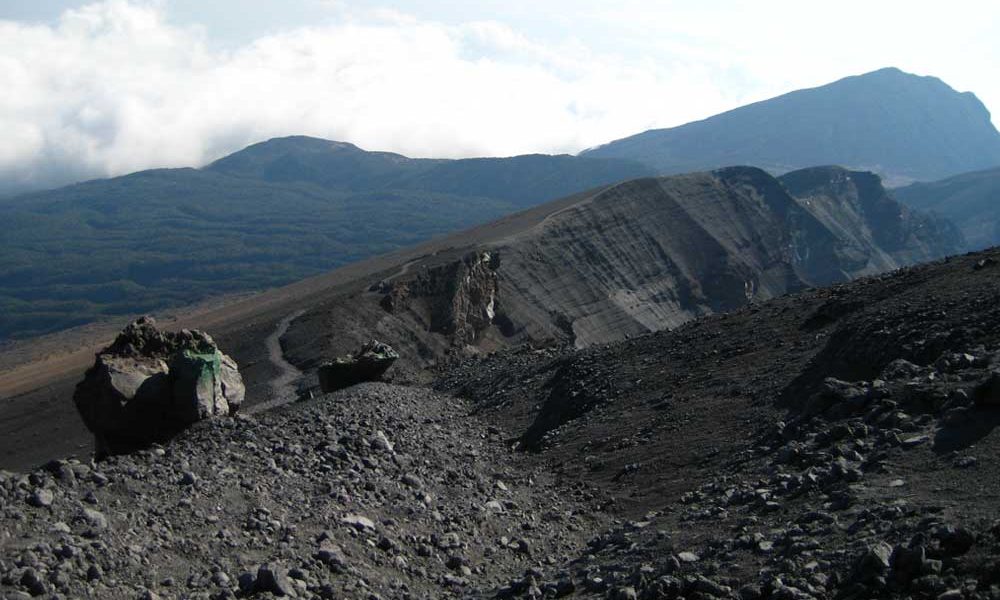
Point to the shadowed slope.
(970, 200)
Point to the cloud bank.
(117, 86)
(114, 87)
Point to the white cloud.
(116, 86)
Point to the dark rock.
(903, 369)
(908, 563)
(954, 541)
(984, 263)
(965, 462)
(704, 585)
(874, 563)
(148, 385)
(332, 556)
(950, 362)
(274, 580)
(624, 593)
(33, 582)
(835, 392)
(413, 481)
(460, 298)
(564, 587)
(246, 582)
(367, 364)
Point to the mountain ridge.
(926, 130)
(970, 200)
(170, 237)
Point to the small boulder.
(149, 385)
(874, 563)
(834, 392)
(902, 369)
(954, 541)
(275, 580)
(367, 364)
(359, 522)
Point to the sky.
(98, 89)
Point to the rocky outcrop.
(872, 229)
(149, 384)
(367, 364)
(652, 254)
(457, 299)
(874, 481)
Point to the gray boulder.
(367, 364)
(875, 563)
(149, 385)
(846, 396)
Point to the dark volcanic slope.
(520, 180)
(378, 491)
(902, 126)
(752, 364)
(768, 475)
(970, 200)
(708, 462)
(273, 213)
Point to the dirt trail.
(282, 385)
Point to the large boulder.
(367, 364)
(149, 385)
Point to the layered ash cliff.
(641, 256)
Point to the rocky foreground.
(374, 492)
(840, 443)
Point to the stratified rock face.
(872, 228)
(652, 254)
(148, 385)
(459, 299)
(367, 364)
(641, 256)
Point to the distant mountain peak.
(890, 73)
(904, 127)
(301, 143)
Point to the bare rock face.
(458, 299)
(367, 364)
(149, 385)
